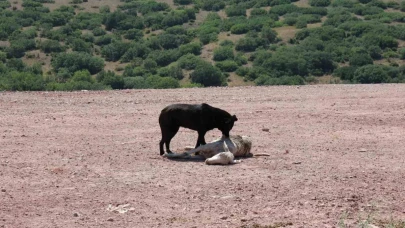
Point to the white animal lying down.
(221, 151)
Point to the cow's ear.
(234, 118)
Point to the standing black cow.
(199, 117)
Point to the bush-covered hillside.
(48, 45)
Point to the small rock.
(110, 220)
(3, 190)
(224, 217)
(296, 163)
(75, 214)
(243, 220)
(198, 211)
(371, 225)
(363, 150)
(266, 129)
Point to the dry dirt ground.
(336, 159)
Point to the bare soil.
(336, 159)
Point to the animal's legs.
(170, 134)
(201, 138)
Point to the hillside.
(76, 44)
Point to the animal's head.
(227, 125)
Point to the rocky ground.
(78, 159)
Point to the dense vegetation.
(153, 45)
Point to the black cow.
(198, 117)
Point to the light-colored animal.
(222, 151)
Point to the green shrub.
(290, 20)
(109, 78)
(136, 50)
(345, 73)
(183, 2)
(258, 11)
(150, 65)
(301, 24)
(133, 34)
(114, 51)
(164, 57)
(322, 3)
(191, 48)
(3, 57)
(135, 83)
(23, 81)
(371, 74)
(157, 82)
(284, 9)
(343, 3)
(212, 5)
(233, 11)
(207, 75)
(104, 40)
(80, 45)
(240, 59)
(173, 71)
(98, 31)
(360, 59)
(75, 85)
(88, 37)
(240, 29)
(284, 80)
(242, 71)
(189, 61)
(247, 44)
(75, 61)
(226, 43)
(227, 66)
(49, 46)
(223, 53)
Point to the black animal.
(198, 117)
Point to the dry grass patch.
(328, 79)
(36, 56)
(17, 4)
(200, 16)
(286, 32)
(232, 37)
(4, 43)
(391, 10)
(169, 2)
(222, 14)
(186, 80)
(207, 52)
(315, 25)
(302, 3)
(236, 80)
(90, 6)
(116, 67)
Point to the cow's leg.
(201, 138)
(172, 131)
(163, 140)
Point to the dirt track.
(336, 156)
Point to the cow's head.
(227, 125)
